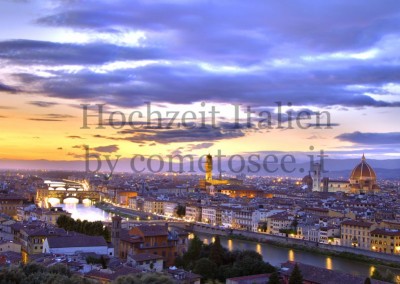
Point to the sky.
(336, 61)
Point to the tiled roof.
(357, 223)
(145, 256)
(153, 230)
(385, 232)
(76, 241)
(324, 276)
(95, 274)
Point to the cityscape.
(180, 141)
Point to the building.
(242, 219)
(49, 216)
(6, 232)
(169, 208)
(317, 275)
(356, 234)
(136, 203)
(73, 243)
(181, 276)
(32, 237)
(209, 215)
(9, 204)
(193, 213)
(124, 196)
(146, 261)
(278, 222)
(6, 246)
(208, 180)
(259, 219)
(108, 276)
(116, 233)
(316, 177)
(329, 185)
(227, 217)
(386, 241)
(251, 279)
(241, 191)
(154, 206)
(363, 178)
(153, 239)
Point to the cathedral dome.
(307, 180)
(363, 171)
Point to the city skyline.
(294, 59)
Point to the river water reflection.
(83, 211)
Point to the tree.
(296, 277)
(250, 263)
(205, 268)
(180, 211)
(388, 276)
(376, 275)
(147, 278)
(35, 273)
(217, 252)
(367, 280)
(85, 227)
(103, 262)
(193, 253)
(213, 262)
(59, 269)
(274, 279)
(213, 281)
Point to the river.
(277, 255)
(83, 211)
(272, 254)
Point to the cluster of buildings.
(143, 248)
(29, 233)
(361, 212)
(357, 212)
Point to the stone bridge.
(43, 194)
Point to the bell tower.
(209, 167)
(116, 234)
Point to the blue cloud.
(369, 138)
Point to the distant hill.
(389, 168)
(380, 173)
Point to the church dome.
(363, 171)
(307, 180)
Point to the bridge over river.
(64, 189)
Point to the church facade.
(362, 180)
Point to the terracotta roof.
(11, 197)
(246, 279)
(356, 223)
(363, 171)
(145, 256)
(153, 230)
(324, 276)
(385, 232)
(95, 274)
(76, 241)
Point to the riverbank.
(277, 241)
(322, 251)
(314, 249)
(126, 212)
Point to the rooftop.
(76, 241)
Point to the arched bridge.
(43, 194)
